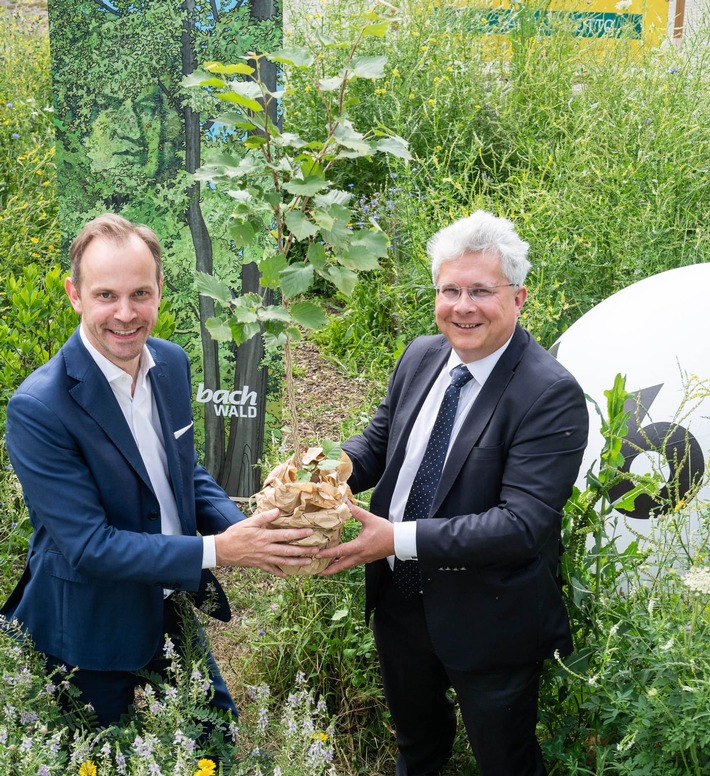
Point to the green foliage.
(282, 185)
(632, 698)
(166, 730)
(35, 321)
(29, 229)
(596, 152)
(314, 626)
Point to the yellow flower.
(87, 768)
(380, 91)
(34, 239)
(207, 768)
(320, 736)
(395, 72)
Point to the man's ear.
(73, 295)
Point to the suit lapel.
(159, 382)
(94, 395)
(480, 413)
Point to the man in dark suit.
(463, 572)
(101, 438)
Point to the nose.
(465, 303)
(124, 310)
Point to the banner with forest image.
(129, 138)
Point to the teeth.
(123, 333)
(467, 325)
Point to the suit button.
(153, 514)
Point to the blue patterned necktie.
(426, 481)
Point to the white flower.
(698, 579)
(622, 5)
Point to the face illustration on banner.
(660, 356)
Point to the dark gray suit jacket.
(489, 553)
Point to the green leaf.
(342, 278)
(242, 233)
(341, 614)
(309, 315)
(333, 197)
(211, 286)
(254, 141)
(296, 279)
(201, 78)
(331, 84)
(331, 449)
(290, 140)
(368, 67)
(271, 268)
(239, 68)
(376, 30)
(218, 329)
(305, 187)
(234, 119)
(396, 146)
(301, 227)
(298, 57)
(316, 255)
(276, 312)
(242, 332)
(245, 93)
(364, 250)
(345, 135)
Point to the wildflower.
(15, 135)
(87, 768)
(698, 579)
(206, 768)
(622, 5)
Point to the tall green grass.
(29, 228)
(598, 153)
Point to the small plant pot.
(315, 496)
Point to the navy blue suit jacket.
(92, 591)
(489, 552)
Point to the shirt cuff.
(405, 540)
(209, 552)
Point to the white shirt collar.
(481, 369)
(114, 373)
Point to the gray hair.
(481, 231)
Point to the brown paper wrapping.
(320, 504)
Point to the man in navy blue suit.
(463, 570)
(124, 518)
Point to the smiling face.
(476, 329)
(118, 298)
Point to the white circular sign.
(656, 334)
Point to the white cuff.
(209, 552)
(405, 540)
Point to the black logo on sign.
(675, 446)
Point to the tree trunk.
(214, 424)
(241, 473)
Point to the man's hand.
(250, 543)
(375, 541)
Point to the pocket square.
(177, 434)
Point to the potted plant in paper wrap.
(299, 225)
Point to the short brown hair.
(111, 226)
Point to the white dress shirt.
(141, 414)
(405, 534)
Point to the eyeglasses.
(480, 294)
